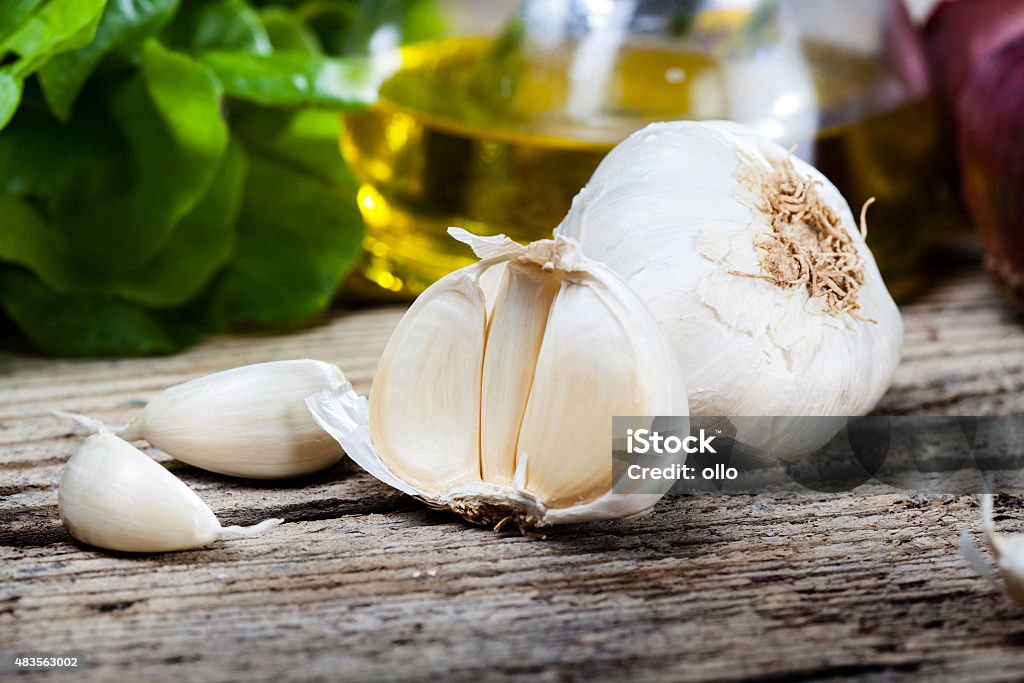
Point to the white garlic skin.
(669, 211)
(515, 425)
(248, 422)
(112, 495)
(1008, 550)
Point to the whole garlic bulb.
(112, 495)
(751, 262)
(495, 394)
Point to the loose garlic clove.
(496, 401)
(1008, 551)
(113, 496)
(752, 263)
(246, 422)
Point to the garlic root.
(91, 423)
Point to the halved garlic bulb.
(496, 400)
(249, 421)
(112, 495)
(751, 262)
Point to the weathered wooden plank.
(362, 583)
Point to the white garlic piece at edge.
(1008, 550)
(249, 421)
(497, 402)
(752, 264)
(114, 496)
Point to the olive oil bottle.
(466, 133)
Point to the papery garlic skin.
(1008, 550)
(249, 421)
(496, 401)
(112, 495)
(678, 211)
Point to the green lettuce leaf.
(48, 29)
(124, 27)
(39, 156)
(10, 95)
(307, 139)
(292, 79)
(169, 116)
(163, 126)
(28, 240)
(171, 167)
(288, 32)
(217, 25)
(202, 244)
(35, 32)
(298, 236)
(14, 13)
(88, 325)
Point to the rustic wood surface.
(363, 583)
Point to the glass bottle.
(496, 132)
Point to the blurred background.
(496, 126)
(173, 168)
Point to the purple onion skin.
(990, 115)
(960, 34)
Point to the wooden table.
(363, 583)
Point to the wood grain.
(363, 583)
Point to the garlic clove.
(567, 346)
(249, 422)
(112, 495)
(425, 401)
(1008, 551)
(514, 337)
(587, 372)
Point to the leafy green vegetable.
(287, 32)
(14, 13)
(171, 167)
(218, 25)
(123, 28)
(36, 31)
(173, 139)
(336, 25)
(291, 79)
(299, 196)
(10, 95)
(306, 139)
(204, 241)
(169, 114)
(84, 325)
(289, 232)
(51, 27)
(28, 240)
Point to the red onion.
(990, 116)
(960, 34)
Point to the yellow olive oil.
(466, 135)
